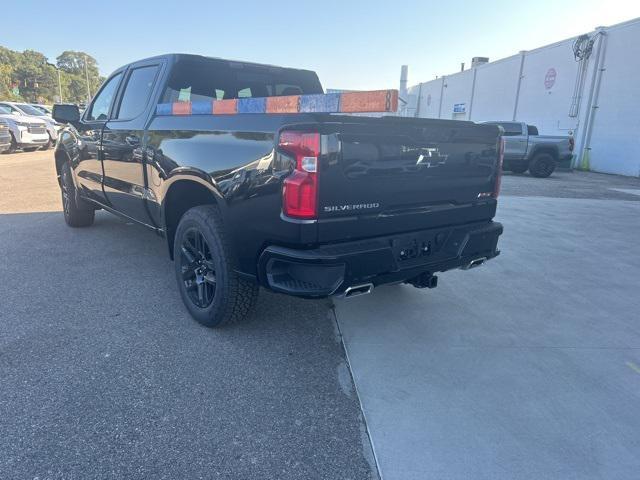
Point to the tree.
(7, 84)
(73, 62)
(27, 76)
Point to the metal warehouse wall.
(539, 87)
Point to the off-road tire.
(233, 296)
(542, 165)
(76, 212)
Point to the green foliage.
(27, 76)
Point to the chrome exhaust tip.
(357, 290)
(474, 263)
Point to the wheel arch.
(550, 149)
(61, 156)
(181, 194)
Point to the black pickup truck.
(306, 202)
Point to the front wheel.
(47, 145)
(542, 165)
(76, 214)
(13, 147)
(211, 289)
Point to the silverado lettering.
(345, 208)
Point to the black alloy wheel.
(205, 265)
(198, 269)
(542, 165)
(76, 212)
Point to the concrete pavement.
(526, 368)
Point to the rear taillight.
(496, 186)
(300, 189)
(572, 144)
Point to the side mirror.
(66, 113)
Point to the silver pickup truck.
(525, 149)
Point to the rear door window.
(137, 92)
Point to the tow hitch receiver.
(424, 280)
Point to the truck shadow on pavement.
(104, 373)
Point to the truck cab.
(525, 149)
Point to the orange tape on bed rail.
(286, 104)
(374, 101)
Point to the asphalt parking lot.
(528, 367)
(105, 375)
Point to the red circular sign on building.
(550, 78)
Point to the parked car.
(254, 183)
(43, 108)
(5, 136)
(52, 126)
(27, 133)
(526, 150)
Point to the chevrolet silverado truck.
(525, 149)
(257, 178)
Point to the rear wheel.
(211, 289)
(76, 213)
(542, 165)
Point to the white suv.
(28, 133)
(52, 126)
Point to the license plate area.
(421, 247)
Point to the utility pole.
(59, 85)
(59, 80)
(86, 74)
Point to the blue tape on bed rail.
(252, 105)
(328, 103)
(202, 108)
(164, 109)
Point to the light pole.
(59, 80)
(59, 85)
(86, 74)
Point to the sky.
(350, 44)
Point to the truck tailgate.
(379, 176)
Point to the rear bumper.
(331, 269)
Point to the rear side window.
(137, 92)
(512, 129)
(200, 79)
(532, 130)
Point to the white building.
(588, 86)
